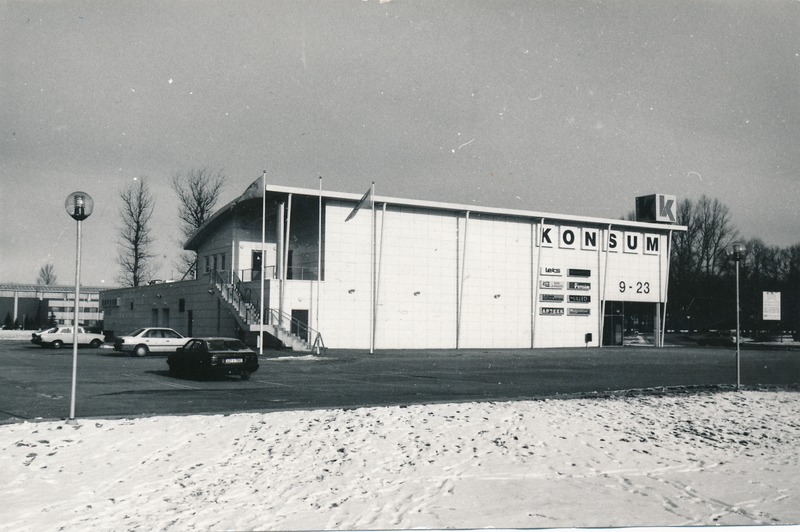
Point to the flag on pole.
(365, 200)
(368, 199)
(256, 188)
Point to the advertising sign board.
(578, 312)
(580, 299)
(550, 270)
(579, 286)
(551, 285)
(579, 272)
(772, 306)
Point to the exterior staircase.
(244, 304)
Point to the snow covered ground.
(725, 458)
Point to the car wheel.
(95, 343)
(57, 344)
(140, 350)
(245, 375)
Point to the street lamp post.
(736, 252)
(79, 206)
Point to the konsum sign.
(591, 239)
(624, 266)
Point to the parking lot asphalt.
(36, 382)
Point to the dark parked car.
(213, 356)
(725, 338)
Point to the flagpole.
(370, 195)
(319, 257)
(374, 272)
(263, 260)
(379, 262)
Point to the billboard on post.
(772, 306)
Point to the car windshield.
(226, 345)
(137, 332)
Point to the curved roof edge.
(255, 191)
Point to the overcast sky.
(561, 106)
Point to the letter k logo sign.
(666, 208)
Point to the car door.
(172, 340)
(185, 356)
(194, 356)
(154, 339)
(82, 339)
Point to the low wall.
(15, 335)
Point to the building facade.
(372, 272)
(33, 306)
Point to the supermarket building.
(372, 272)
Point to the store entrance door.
(613, 324)
(300, 324)
(629, 323)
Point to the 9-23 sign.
(640, 287)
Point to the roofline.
(253, 193)
(456, 207)
(56, 288)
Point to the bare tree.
(135, 255)
(699, 264)
(715, 233)
(790, 269)
(198, 191)
(701, 249)
(684, 260)
(47, 275)
(766, 265)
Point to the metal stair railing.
(245, 300)
(247, 304)
(304, 331)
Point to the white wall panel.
(345, 309)
(496, 299)
(417, 281)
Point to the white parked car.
(149, 339)
(57, 337)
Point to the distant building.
(408, 274)
(31, 305)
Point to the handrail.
(246, 301)
(250, 275)
(294, 273)
(275, 319)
